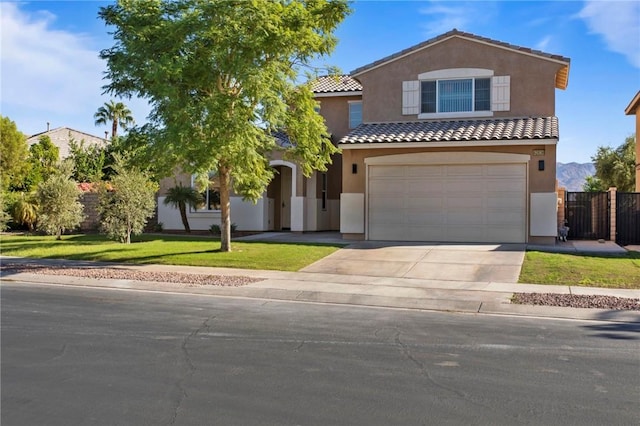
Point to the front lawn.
(591, 270)
(168, 250)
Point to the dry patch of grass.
(591, 270)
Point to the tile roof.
(334, 84)
(455, 131)
(456, 33)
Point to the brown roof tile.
(334, 84)
(453, 131)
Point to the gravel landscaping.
(192, 280)
(576, 301)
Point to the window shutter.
(501, 93)
(410, 97)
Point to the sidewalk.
(406, 293)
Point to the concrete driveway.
(432, 261)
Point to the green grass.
(168, 250)
(612, 271)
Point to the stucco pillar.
(612, 211)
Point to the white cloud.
(445, 16)
(618, 22)
(48, 74)
(544, 43)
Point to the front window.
(456, 95)
(211, 194)
(355, 114)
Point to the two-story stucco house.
(453, 139)
(457, 143)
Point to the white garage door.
(451, 203)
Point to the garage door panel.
(458, 203)
(458, 218)
(513, 170)
(424, 171)
(464, 203)
(504, 217)
(425, 216)
(386, 171)
(465, 170)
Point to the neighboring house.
(453, 139)
(634, 109)
(60, 137)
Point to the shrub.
(59, 204)
(215, 228)
(126, 209)
(25, 211)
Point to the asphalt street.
(76, 356)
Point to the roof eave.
(633, 105)
(449, 144)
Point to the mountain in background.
(572, 176)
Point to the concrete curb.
(403, 297)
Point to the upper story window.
(355, 114)
(456, 95)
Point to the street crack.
(190, 368)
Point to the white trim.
(426, 158)
(354, 102)
(544, 214)
(334, 94)
(297, 213)
(294, 173)
(410, 97)
(448, 73)
(352, 210)
(463, 114)
(415, 50)
(458, 144)
(501, 93)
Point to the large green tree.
(616, 167)
(88, 161)
(114, 113)
(14, 154)
(220, 76)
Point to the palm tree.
(179, 197)
(115, 113)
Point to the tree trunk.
(225, 209)
(183, 215)
(59, 234)
(114, 129)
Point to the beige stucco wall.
(532, 78)
(539, 181)
(61, 137)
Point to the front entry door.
(285, 200)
